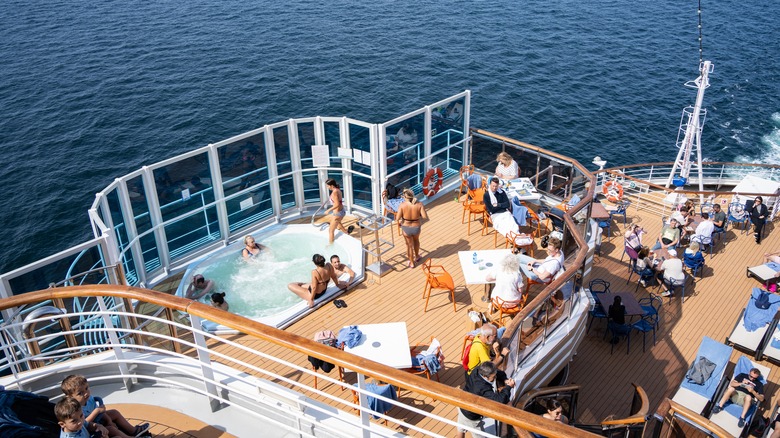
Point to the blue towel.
(429, 361)
(350, 336)
(773, 266)
(519, 212)
(756, 318)
(574, 201)
(475, 181)
(376, 404)
(719, 354)
(775, 343)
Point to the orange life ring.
(613, 191)
(432, 185)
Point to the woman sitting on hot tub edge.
(320, 277)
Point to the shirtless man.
(198, 287)
(340, 270)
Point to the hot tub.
(257, 288)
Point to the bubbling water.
(257, 287)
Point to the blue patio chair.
(705, 243)
(652, 307)
(694, 264)
(606, 225)
(619, 331)
(718, 232)
(673, 285)
(597, 287)
(622, 208)
(737, 215)
(645, 325)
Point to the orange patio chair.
(421, 369)
(536, 222)
(437, 278)
(475, 208)
(503, 307)
(512, 241)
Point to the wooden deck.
(711, 308)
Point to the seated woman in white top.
(673, 270)
(509, 282)
(507, 167)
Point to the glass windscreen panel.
(122, 237)
(183, 186)
(405, 151)
(192, 232)
(447, 129)
(332, 132)
(360, 139)
(284, 166)
(250, 206)
(143, 223)
(306, 139)
(243, 164)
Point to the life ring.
(432, 185)
(613, 191)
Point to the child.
(71, 419)
(94, 411)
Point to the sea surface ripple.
(93, 90)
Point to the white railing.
(174, 352)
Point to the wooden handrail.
(529, 396)
(639, 417)
(308, 347)
(692, 417)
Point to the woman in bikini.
(320, 276)
(251, 248)
(336, 211)
(410, 215)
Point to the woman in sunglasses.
(758, 213)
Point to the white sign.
(345, 153)
(185, 194)
(246, 203)
(320, 155)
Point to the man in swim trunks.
(340, 270)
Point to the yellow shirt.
(479, 353)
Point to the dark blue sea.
(93, 90)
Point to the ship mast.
(689, 134)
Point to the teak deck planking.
(712, 306)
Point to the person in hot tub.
(199, 287)
(341, 270)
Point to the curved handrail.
(696, 419)
(529, 396)
(315, 214)
(302, 345)
(640, 416)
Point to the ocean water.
(92, 91)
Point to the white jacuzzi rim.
(297, 311)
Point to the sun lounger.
(770, 348)
(697, 397)
(728, 418)
(752, 327)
